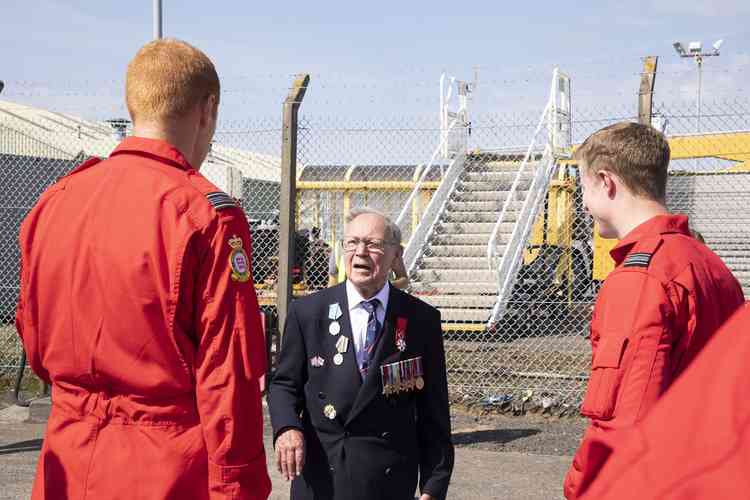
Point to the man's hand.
(426, 497)
(290, 453)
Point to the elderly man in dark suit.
(359, 400)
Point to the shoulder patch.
(221, 200)
(638, 259)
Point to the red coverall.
(695, 443)
(137, 304)
(665, 299)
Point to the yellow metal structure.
(731, 146)
(554, 226)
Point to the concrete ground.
(487, 465)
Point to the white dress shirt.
(358, 314)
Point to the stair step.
(500, 166)
(458, 250)
(457, 315)
(461, 301)
(454, 263)
(486, 195)
(492, 185)
(490, 217)
(483, 206)
(446, 275)
(424, 289)
(460, 239)
(495, 177)
(472, 227)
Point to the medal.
(330, 412)
(334, 328)
(338, 359)
(401, 334)
(342, 344)
(334, 311)
(419, 373)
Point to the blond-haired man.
(137, 304)
(666, 297)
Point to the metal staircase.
(466, 251)
(452, 272)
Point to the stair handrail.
(492, 243)
(511, 260)
(423, 175)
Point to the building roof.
(29, 131)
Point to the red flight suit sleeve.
(229, 362)
(633, 331)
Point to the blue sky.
(372, 57)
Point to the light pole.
(695, 51)
(157, 20)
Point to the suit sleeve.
(229, 362)
(286, 392)
(634, 334)
(433, 417)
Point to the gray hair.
(392, 231)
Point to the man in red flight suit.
(695, 443)
(137, 304)
(664, 300)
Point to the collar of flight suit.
(655, 226)
(155, 149)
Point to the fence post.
(646, 92)
(288, 196)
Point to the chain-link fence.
(460, 185)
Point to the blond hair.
(638, 154)
(167, 78)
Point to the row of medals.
(342, 344)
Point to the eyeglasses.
(371, 245)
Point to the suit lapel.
(384, 348)
(345, 376)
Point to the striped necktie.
(373, 329)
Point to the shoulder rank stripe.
(221, 200)
(638, 259)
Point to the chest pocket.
(607, 372)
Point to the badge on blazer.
(329, 411)
(317, 362)
(239, 263)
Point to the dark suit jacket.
(377, 446)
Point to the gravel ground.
(497, 456)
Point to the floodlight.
(679, 48)
(717, 45)
(695, 47)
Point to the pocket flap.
(609, 352)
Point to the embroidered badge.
(221, 200)
(401, 334)
(638, 259)
(238, 260)
(317, 362)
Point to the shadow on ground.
(496, 436)
(21, 446)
